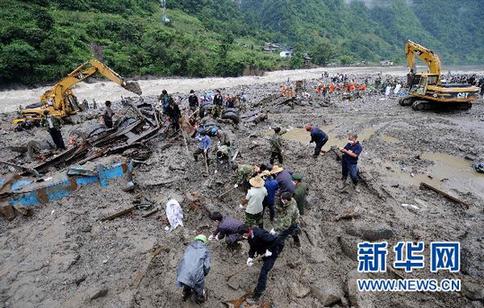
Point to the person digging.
(287, 219)
(263, 245)
(254, 210)
(227, 227)
(317, 136)
(193, 268)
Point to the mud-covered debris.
(357, 298)
(101, 292)
(299, 290)
(472, 289)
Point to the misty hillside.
(42, 40)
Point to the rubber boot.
(355, 188)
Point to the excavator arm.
(61, 90)
(60, 101)
(413, 50)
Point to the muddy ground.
(63, 256)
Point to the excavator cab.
(427, 90)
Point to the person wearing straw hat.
(254, 198)
(192, 269)
(284, 179)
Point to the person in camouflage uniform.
(276, 146)
(244, 173)
(287, 219)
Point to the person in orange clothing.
(331, 88)
(351, 87)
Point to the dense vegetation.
(42, 40)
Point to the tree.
(17, 60)
(322, 53)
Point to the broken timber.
(444, 194)
(119, 213)
(20, 191)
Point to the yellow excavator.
(60, 100)
(426, 89)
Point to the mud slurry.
(63, 256)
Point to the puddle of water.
(447, 172)
(301, 135)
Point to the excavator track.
(406, 101)
(421, 105)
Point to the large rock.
(349, 246)
(328, 292)
(472, 290)
(318, 255)
(299, 290)
(368, 232)
(357, 298)
(97, 293)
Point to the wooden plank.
(139, 275)
(444, 194)
(119, 213)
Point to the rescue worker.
(165, 100)
(349, 161)
(268, 247)
(193, 268)
(254, 198)
(284, 180)
(271, 186)
(227, 227)
(173, 111)
(204, 145)
(300, 193)
(223, 137)
(193, 101)
(317, 136)
(53, 125)
(218, 103)
(108, 115)
(244, 173)
(287, 219)
(276, 146)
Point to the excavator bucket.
(133, 86)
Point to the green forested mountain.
(42, 40)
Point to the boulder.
(328, 292)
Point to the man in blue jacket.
(193, 268)
(271, 187)
(349, 161)
(317, 136)
(205, 143)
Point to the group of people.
(268, 187)
(271, 189)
